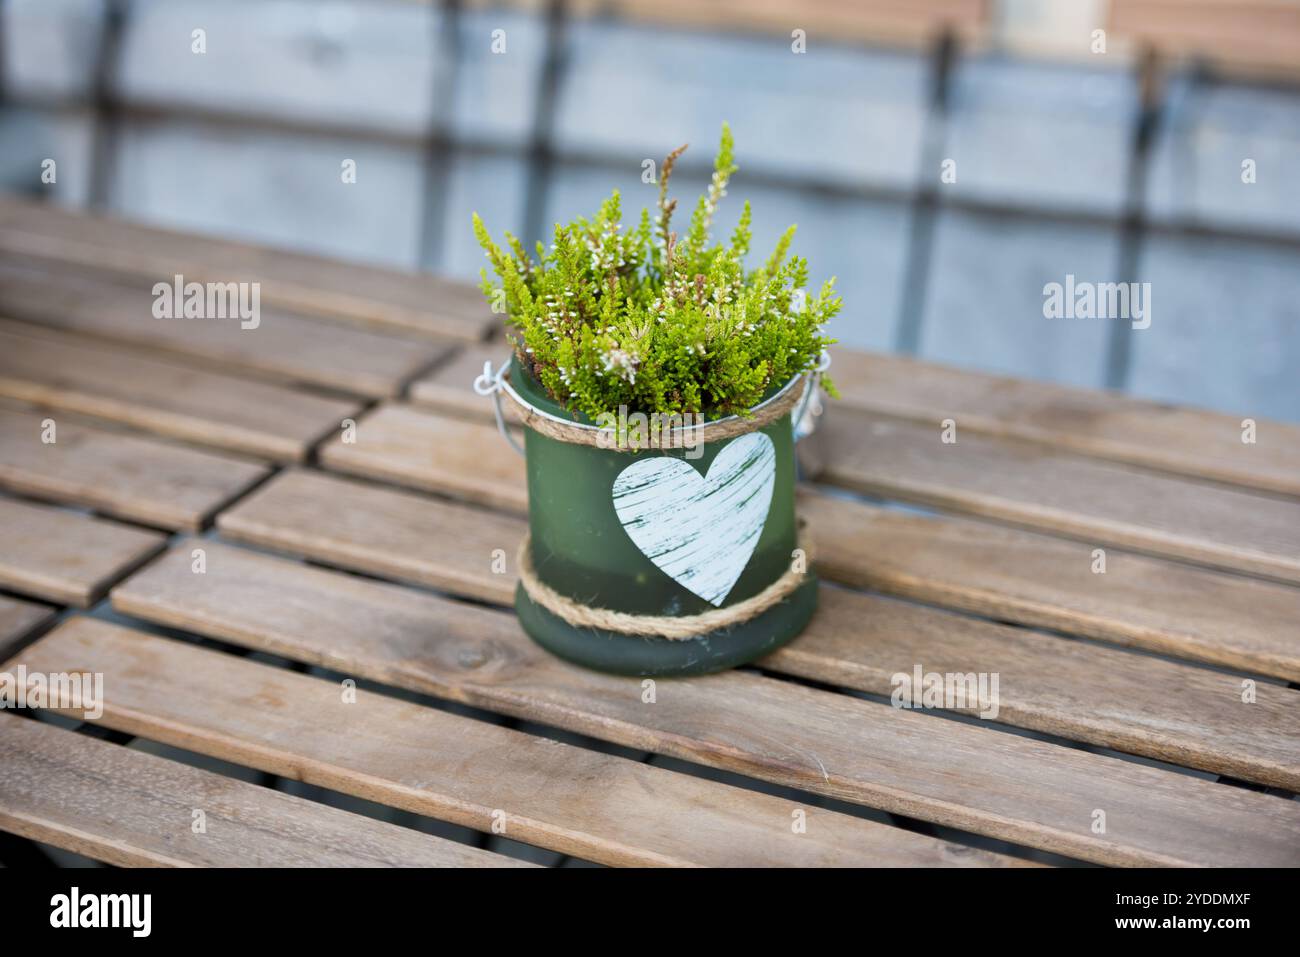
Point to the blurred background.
(1101, 138)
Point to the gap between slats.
(131, 809)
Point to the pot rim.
(503, 378)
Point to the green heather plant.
(657, 323)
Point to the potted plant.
(657, 381)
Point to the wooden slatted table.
(200, 501)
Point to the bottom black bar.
(950, 908)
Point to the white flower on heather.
(622, 363)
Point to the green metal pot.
(580, 548)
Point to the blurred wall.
(846, 140)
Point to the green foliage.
(641, 318)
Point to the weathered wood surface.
(1106, 470)
(974, 778)
(127, 475)
(438, 453)
(369, 295)
(18, 619)
(592, 805)
(1134, 703)
(131, 809)
(1185, 715)
(284, 346)
(64, 557)
(1064, 493)
(383, 531)
(1107, 425)
(1011, 575)
(68, 372)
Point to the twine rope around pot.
(677, 437)
(673, 627)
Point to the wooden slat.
(1105, 697)
(131, 809)
(974, 778)
(592, 805)
(1064, 493)
(1003, 572)
(1074, 689)
(1010, 575)
(61, 370)
(286, 346)
(65, 557)
(382, 531)
(363, 294)
(1190, 442)
(439, 453)
(134, 477)
(18, 619)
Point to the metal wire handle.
(489, 383)
(811, 403)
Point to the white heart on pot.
(699, 530)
